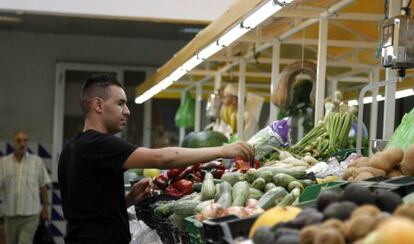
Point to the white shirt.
(20, 183)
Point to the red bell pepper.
(213, 165)
(185, 172)
(171, 173)
(180, 188)
(161, 181)
(217, 173)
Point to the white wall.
(27, 72)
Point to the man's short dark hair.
(96, 86)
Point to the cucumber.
(306, 182)
(164, 210)
(267, 175)
(240, 193)
(298, 174)
(295, 184)
(225, 200)
(232, 177)
(283, 180)
(199, 208)
(255, 194)
(251, 175)
(269, 186)
(208, 189)
(259, 184)
(185, 207)
(290, 198)
(269, 199)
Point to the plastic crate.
(195, 230)
(311, 193)
(403, 185)
(226, 229)
(170, 233)
(145, 211)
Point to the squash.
(274, 216)
(208, 189)
(259, 184)
(225, 197)
(255, 194)
(270, 198)
(240, 193)
(232, 177)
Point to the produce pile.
(391, 162)
(357, 215)
(327, 137)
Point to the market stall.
(268, 200)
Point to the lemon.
(151, 172)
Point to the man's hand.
(45, 214)
(239, 148)
(139, 191)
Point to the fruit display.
(356, 215)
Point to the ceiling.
(354, 32)
(96, 26)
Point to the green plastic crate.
(195, 230)
(311, 193)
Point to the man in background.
(22, 176)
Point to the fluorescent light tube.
(209, 51)
(264, 12)
(191, 63)
(404, 93)
(229, 37)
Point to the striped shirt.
(20, 183)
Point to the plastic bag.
(184, 117)
(43, 235)
(274, 135)
(140, 232)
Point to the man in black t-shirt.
(91, 166)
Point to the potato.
(362, 162)
(329, 236)
(363, 176)
(308, 234)
(336, 224)
(348, 172)
(366, 209)
(405, 210)
(360, 226)
(407, 164)
(394, 173)
(387, 159)
(373, 171)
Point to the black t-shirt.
(91, 183)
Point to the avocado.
(263, 234)
(285, 235)
(387, 201)
(306, 217)
(339, 210)
(358, 194)
(325, 198)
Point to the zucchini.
(208, 190)
(240, 193)
(283, 180)
(267, 175)
(269, 186)
(185, 207)
(251, 175)
(259, 184)
(199, 208)
(306, 182)
(232, 177)
(255, 194)
(164, 210)
(290, 198)
(298, 174)
(295, 184)
(225, 199)
(269, 199)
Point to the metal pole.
(275, 78)
(373, 124)
(217, 81)
(182, 129)
(146, 140)
(389, 102)
(199, 99)
(240, 100)
(321, 69)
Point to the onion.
(212, 210)
(251, 203)
(235, 210)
